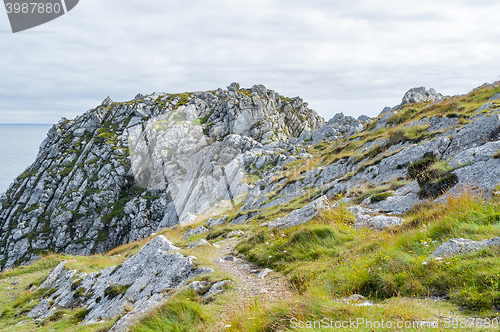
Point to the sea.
(19, 145)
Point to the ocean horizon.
(19, 143)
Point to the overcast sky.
(340, 56)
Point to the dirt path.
(270, 289)
(247, 273)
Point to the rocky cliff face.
(122, 170)
(424, 149)
(142, 282)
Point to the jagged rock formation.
(122, 170)
(421, 94)
(140, 283)
(414, 95)
(469, 150)
(336, 128)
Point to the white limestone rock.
(139, 282)
(463, 246)
(196, 231)
(364, 218)
(201, 242)
(218, 288)
(300, 216)
(474, 134)
(421, 94)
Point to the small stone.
(234, 233)
(218, 288)
(464, 246)
(219, 260)
(365, 304)
(356, 297)
(15, 282)
(230, 258)
(233, 87)
(202, 242)
(264, 273)
(193, 232)
(199, 286)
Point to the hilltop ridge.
(122, 171)
(92, 186)
(402, 206)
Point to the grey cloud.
(355, 57)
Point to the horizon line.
(25, 123)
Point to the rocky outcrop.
(464, 246)
(194, 232)
(140, 283)
(365, 218)
(300, 216)
(421, 94)
(121, 171)
(470, 153)
(475, 134)
(340, 126)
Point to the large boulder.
(464, 246)
(300, 216)
(421, 94)
(124, 170)
(367, 218)
(140, 282)
(474, 134)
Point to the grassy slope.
(324, 260)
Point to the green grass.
(116, 290)
(323, 260)
(17, 300)
(434, 177)
(461, 107)
(181, 314)
(339, 260)
(380, 197)
(27, 173)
